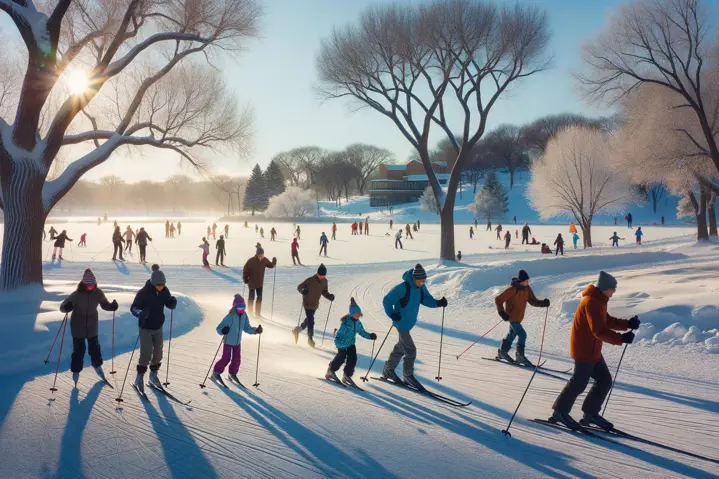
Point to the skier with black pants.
(60, 244)
(345, 338)
(559, 242)
(220, 246)
(253, 274)
(117, 241)
(311, 289)
(141, 240)
(323, 244)
(526, 231)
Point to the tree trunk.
(586, 226)
(711, 210)
(702, 231)
(24, 221)
(511, 178)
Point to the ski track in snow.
(296, 426)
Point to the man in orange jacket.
(592, 326)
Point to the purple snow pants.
(227, 351)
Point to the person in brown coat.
(311, 289)
(253, 274)
(592, 326)
(511, 305)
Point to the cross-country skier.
(253, 274)
(507, 239)
(231, 327)
(629, 220)
(60, 244)
(366, 225)
(345, 338)
(526, 231)
(560, 245)
(591, 328)
(220, 246)
(575, 238)
(262, 232)
(83, 240)
(408, 231)
(323, 244)
(638, 234)
(129, 235)
(172, 230)
(149, 307)
(398, 239)
(295, 250)
(334, 231)
(615, 240)
(273, 234)
(391, 223)
(83, 303)
(205, 247)
(117, 241)
(471, 233)
(311, 289)
(53, 233)
(298, 232)
(402, 304)
(489, 225)
(179, 228)
(511, 305)
(141, 239)
(499, 232)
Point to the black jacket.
(149, 299)
(142, 237)
(60, 240)
(117, 237)
(220, 245)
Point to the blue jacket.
(639, 233)
(323, 239)
(149, 299)
(237, 325)
(409, 313)
(348, 332)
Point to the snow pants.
(143, 252)
(345, 354)
(525, 238)
(220, 258)
(404, 348)
(297, 257)
(615, 244)
(117, 249)
(204, 259)
(578, 383)
(499, 235)
(516, 331)
(560, 249)
(78, 353)
(55, 250)
(251, 301)
(323, 248)
(309, 323)
(334, 235)
(231, 355)
(398, 242)
(150, 350)
(128, 246)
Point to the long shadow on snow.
(314, 448)
(226, 277)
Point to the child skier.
(295, 250)
(149, 308)
(231, 327)
(334, 231)
(511, 305)
(471, 233)
(84, 324)
(345, 339)
(398, 239)
(615, 240)
(507, 239)
(311, 289)
(459, 255)
(298, 232)
(575, 238)
(205, 247)
(83, 240)
(60, 244)
(559, 242)
(639, 235)
(273, 234)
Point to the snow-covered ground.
(296, 425)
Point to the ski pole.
(59, 355)
(257, 364)
(615, 378)
(300, 316)
(441, 338)
(213, 362)
(373, 341)
(482, 336)
(112, 354)
(326, 322)
(169, 350)
(539, 361)
(157, 252)
(364, 379)
(72, 253)
(47, 359)
(127, 371)
(274, 278)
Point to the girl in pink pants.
(232, 326)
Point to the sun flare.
(77, 81)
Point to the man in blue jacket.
(402, 306)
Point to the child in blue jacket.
(232, 326)
(639, 235)
(345, 342)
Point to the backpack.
(405, 300)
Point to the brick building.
(398, 184)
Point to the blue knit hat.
(354, 308)
(239, 303)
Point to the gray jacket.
(83, 319)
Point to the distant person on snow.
(559, 242)
(83, 303)
(638, 234)
(402, 304)
(459, 255)
(323, 244)
(53, 233)
(298, 232)
(662, 220)
(507, 239)
(591, 328)
(205, 247)
(295, 250)
(149, 308)
(629, 220)
(129, 235)
(117, 241)
(398, 240)
(227, 230)
(515, 220)
(534, 240)
(105, 218)
(273, 234)
(471, 233)
(360, 227)
(167, 229)
(220, 247)
(475, 223)
(499, 232)
(516, 235)
(511, 305)
(231, 327)
(408, 232)
(246, 225)
(83, 240)
(262, 232)
(546, 249)
(345, 337)
(526, 231)
(141, 239)
(615, 221)
(214, 231)
(414, 227)
(253, 274)
(366, 225)
(179, 228)
(311, 289)
(615, 240)
(172, 230)
(257, 228)
(99, 221)
(575, 239)
(418, 225)
(391, 223)
(489, 225)
(334, 231)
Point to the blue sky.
(277, 72)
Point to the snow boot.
(412, 382)
(258, 309)
(391, 376)
(310, 342)
(234, 377)
(597, 420)
(565, 420)
(521, 358)
(100, 373)
(140, 383)
(53, 257)
(331, 376)
(75, 378)
(347, 381)
(503, 352)
(154, 380)
(296, 334)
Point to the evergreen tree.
(274, 180)
(256, 191)
(492, 200)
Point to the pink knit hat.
(88, 278)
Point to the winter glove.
(144, 314)
(274, 261)
(628, 338)
(634, 322)
(246, 279)
(305, 292)
(331, 297)
(114, 305)
(546, 302)
(373, 336)
(259, 329)
(172, 304)
(68, 307)
(225, 330)
(442, 302)
(396, 316)
(504, 315)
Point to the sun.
(77, 81)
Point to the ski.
(166, 393)
(107, 383)
(238, 383)
(351, 384)
(140, 393)
(540, 371)
(218, 380)
(582, 431)
(426, 392)
(338, 383)
(625, 435)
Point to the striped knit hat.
(88, 278)
(418, 272)
(239, 303)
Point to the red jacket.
(295, 245)
(593, 326)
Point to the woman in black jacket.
(117, 241)
(60, 244)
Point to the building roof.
(396, 167)
(440, 176)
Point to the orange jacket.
(514, 299)
(592, 326)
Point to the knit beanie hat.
(418, 272)
(260, 251)
(322, 270)
(606, 281)
(354, 308)
(155, 267)
(239, 303)
(157, 277)
(88, 278)
(522, 275)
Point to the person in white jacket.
(232, 326)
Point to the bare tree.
(177, 186)
(505, 142)
(112, 184)
(366, 159)
(132, 83)
(667, 44)
(413, 63)
(573, 179)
